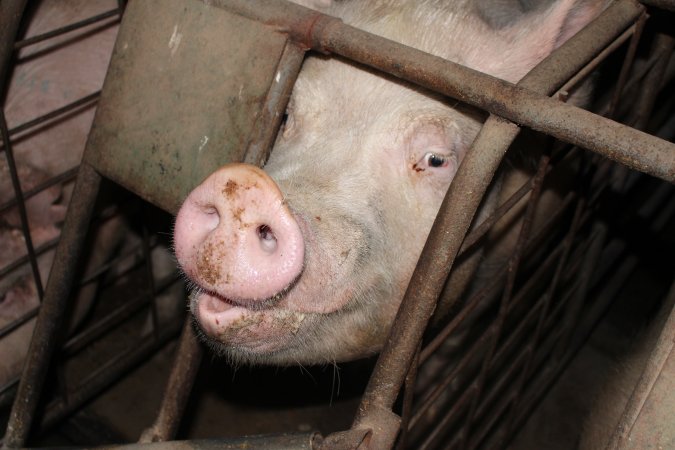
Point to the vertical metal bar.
(406, 410)
(513, 265)
(543, 315)
(586, 271)
(51, 313)
(21, 205)
(11, 12)
(473, 176)
(662, 49)
(627, 64)
(179, 386)
(275, 104)
(150, 278)
(454, 218)
(652, 84)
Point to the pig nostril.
(268, 241)
(210, 217)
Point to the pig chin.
(254, 331)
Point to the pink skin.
(238, 241)
(316, 274)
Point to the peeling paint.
(174, 41)
(203, 143)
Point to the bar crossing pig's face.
(308, 260)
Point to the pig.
(307, 261)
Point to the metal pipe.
(275, 104)
(21, 205)
(84, 101)
(58, 179)
(179, 386)
(53, 307)
(102, 378)
(457, 210)
(65, 29)
(517, 103)
(291, 441)
(626, 66)
(11, 12)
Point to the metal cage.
(527, 322)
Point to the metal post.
(51, 313)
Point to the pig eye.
(432, 160)
(436, 160)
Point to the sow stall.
(526, 325)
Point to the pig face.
(308, 261)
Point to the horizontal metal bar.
(66, 176)
(517, 103)
(299, 441)
(65, 29)
(87, 100)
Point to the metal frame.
(528, 104)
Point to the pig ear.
(520, 37)
(314, 4)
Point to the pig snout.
(236, 238)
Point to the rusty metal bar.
(544, 313)
(589, 263)
(21, 205)
(103, 377)
(11, 12)
(513, 266)
(626, 66)
(490, 290)
(477, 233)
(179, 386)
(55, 113)
(406, 409)
(110, 321)
(65, 29)
(299, 441)
(663, 45)
(430, 398)
(24, 259)
(454, 218)
(275, 104)
(53, 307)
(519, 104)
(449, 228)
(58, 179)
(632, 32)
(149, 276)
